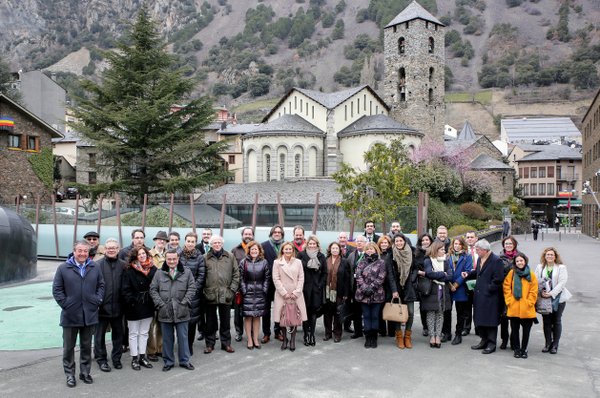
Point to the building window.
(313, 111)
(542, 189)
(91, 159)
(401, 45)
(402, 83)
(525, 189)
(301, 105)
(542, 172)
(281, 167)
(365, 102)
(431, 74)
(551, 189)
(267, 167)
(345, 112)
(351, 109)
(551, 171)
(525, 172)
(358, 105)
(298, 165)
(295, 103)
(14, 141)
(534, 172)
(92, 178)
(430, 99)
(406, 25)
(231, 159)
(32, 143)
(376, 109)
(520, 172)
(533, 189)
(431, 45)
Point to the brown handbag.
(290, 314)
(396, 312)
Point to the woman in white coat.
(288, 278)
(553, 276)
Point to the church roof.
(552, 152)
(486, 162)
(413, 11)
(467, 132)
(328, 100)
(377, 124)
(286, 124)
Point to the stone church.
(309, 133)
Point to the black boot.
(135, 365)
(144, 362)
(457, 339)
(374, 340)
(292, 339)
(367, 339)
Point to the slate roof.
(292, 191)
(552, 152)
(286, 124)
(205, 216)
(377, 124)
(413, 11)
(233, 129)
(69, 136)
(467, 132)
(486, 162)
(544, 128)
(458, 144)
(54, 133)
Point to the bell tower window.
(401, 45)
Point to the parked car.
(59, 196)
(66, 211)
(72, 192)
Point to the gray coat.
(173, 297)
(79, 297)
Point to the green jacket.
(222, 278)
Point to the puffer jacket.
(173, 297)
(222, 278)
(523, 308)
(254, 286)
(370, 277)
(195, 263)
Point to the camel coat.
(525, 307)
(288, 278)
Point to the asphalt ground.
(345, 369)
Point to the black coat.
(254, 278)
(488, 300)
(389, 286)
(314, 281)
(408, 292)
(195, 263)
(343, 286)
(270, 255)
(432, 302)
(112, 272)
(137, 303)
(79, 298)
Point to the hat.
(91, 234)
(161, 235)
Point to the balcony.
(567, 176)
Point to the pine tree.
(143, 122)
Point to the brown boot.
(407, 340)
(399, 339)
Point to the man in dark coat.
(239, 252)
(271, 250)
(487, 300)
(204, 245)
(354, 258)
(78, 288)
(137, 242)
(110, 310)
(370, 232)
(343, 241)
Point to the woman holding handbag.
(255, 275)
(520, 293)
(404, 276)
(553, 273)
(438, 271)
(337, 291)
(423, 244)
(288, 278)
(459, 261)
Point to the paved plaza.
(30, 354)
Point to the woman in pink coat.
(288, 278)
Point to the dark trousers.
(238, 319)
(553, 326)
(168, 339)
(423, 317)
(515, 324)
(504, 332)
(202, 319)
(371, 316)
(462, 312)
(191, 335)
(469, 314)
(489, 335)
(222, 324)
(331, 319)
(116, 325)
(357, 317)
(309, 326)
(85, 345)
(447, 324)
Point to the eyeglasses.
(110, 248)
(91, 238)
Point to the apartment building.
(591, 166)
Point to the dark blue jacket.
(79, 297)
(464, 264)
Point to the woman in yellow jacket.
(520, 294)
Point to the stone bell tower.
(414, 70)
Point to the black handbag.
(424, 286)
(344, 311)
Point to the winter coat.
(79, 298)
(173, 297)
(222, 278)
(157, 258)
(254, 285)
(288, 278)
(125, 252)
(137, 303)
(314, 281)
(433, 302)
(353, 259)
(408, 292)
(270, 255)
(559, 281)
(464, 264)
(239, 253)
(195, 263)
(112, 272)
(488, 298)
(524, 307)
(343, 287)
(370, 275)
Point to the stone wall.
(500, 183)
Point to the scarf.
(313, 261)
(244, 246)
(144, 267)
(188, 253)
(299, 247)
(276, 244)
(438, 266)
(332, 270)
(218, 253)
(403, 260)
(511, 255)
(517, 283)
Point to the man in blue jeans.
(172, 291)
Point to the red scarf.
(144, 267)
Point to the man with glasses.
(204, 244)
(271, 249)
(110, 311)
(96, 250)
(137, 242)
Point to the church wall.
(301, 105)
(354, 147)
(363, 103)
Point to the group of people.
(147, 296)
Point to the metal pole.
(193, 213)
(315, 215)
(222, 224)
(171, 212)
(76, 217)
(37, 215)
(352, 224)
(55, 226)
(100, 199)
(254, 211)
(280, 210)
(144, 212)
(118, 204)
(18, 204)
